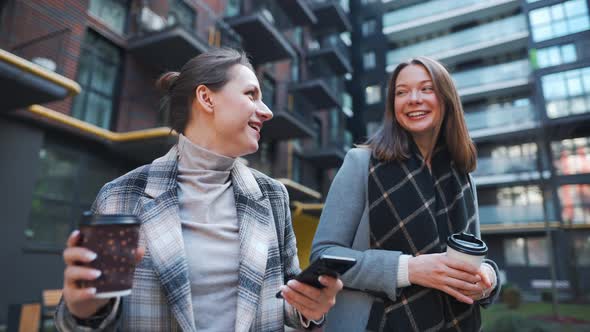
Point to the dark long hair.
(392, 142)
(210, 69)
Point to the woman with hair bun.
(218, 238)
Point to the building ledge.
(141, 145)
(517, 228)
(312, 209)
(28, 83)
(25, 65)
(299, 192)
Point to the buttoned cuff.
(403, 276)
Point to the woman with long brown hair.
(392, 206)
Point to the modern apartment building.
(522, 69)
(79, 108)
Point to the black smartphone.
(332, 266)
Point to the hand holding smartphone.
(328, 265)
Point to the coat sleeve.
(477, 231)
(290, 262)
(375, 270)
(105, 321)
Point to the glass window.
(295, 69)
(556, 55)
(268, 92)
(582, 248)
(369, 27)
(97, 75)
(347, 104)
(373, 94)
(335, 125)
(559, 20)
(113, 13)
(572, 156)
(65, 187)
(182, 14)
(296, 168)
(514, 251)
(369, 60)
(575, 203)
(232, 7)
(537, 251)
(567, 93)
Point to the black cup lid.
(467, 244)
(88, 218)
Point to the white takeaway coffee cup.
(467, 248)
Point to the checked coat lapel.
(256, 231)
(159, 213)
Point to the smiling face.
(417, 107)
(239, 113)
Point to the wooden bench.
(23, 317)
(50, 300)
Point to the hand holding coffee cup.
(88, 278)
(471, 250)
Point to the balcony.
(503, 170)
(332, 17)
(287, 125)
(501, 120)
(486, 40)
(298, 11)
(512, 77)
(514, 215)
(329, 154)
(259, 29)
(157, 36)
(437, 15)
(30, 72)
(319, 93)
(329, 57)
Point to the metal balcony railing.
(501, 118)
(469, 39)
(519, 214)
(515, 70)
(487, 166)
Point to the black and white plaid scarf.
(414, 210)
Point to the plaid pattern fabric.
(414, 210)
(161, 299)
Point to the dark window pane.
(57, 171)
(111, 12)
(50, 222)
(514, 251)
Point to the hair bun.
(166, 81)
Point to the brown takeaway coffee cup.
(114, 239)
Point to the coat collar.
(159, 213)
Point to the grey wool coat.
(161, 298)
(344, 231)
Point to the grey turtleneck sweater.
(210, 231)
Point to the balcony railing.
(494, 214)
(271, 11)
(504, 119)
(516, 70)
(344, 4)
(425, 9)
(496, 166)
(462, 41)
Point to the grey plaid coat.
(161, 298)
